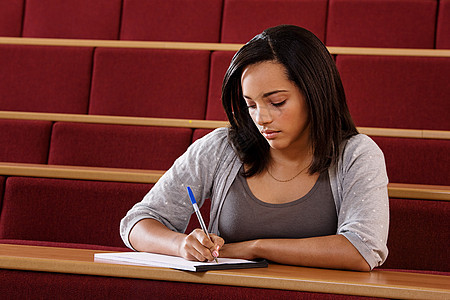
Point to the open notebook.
(167, 261)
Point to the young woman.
(290, 180)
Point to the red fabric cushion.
(11, 18)
(399, 92)
(443, 25)
(68, 211)
(85, 19)
(150, 83)
(175, 20)
(220, 60)
(419, 161)
(45, 79)
(418, 233)
(243, 19)
(39, 285)
(24, 141)
(2, 188)
(117, 146)
(381, 23)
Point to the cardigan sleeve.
(168, 201)
(363, 214)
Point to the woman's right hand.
(198, 247)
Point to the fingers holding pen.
(197, 246)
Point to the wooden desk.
(385, 284)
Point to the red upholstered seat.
(397, 92)
(74, 19)
(219, 65)
(11, 14)
(443, 25)
(150, 83)
(39, 285)
(243, 19)
(24, 141)
(381, 23)
(2, 188)
(419, 231)
(418, 161)
(117, 146)
(45, 79)
(175, 20)
(68, 211)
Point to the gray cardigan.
(209, 166)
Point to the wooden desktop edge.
(210, 46)
(378, 283)
(203, 124)
(396, 190)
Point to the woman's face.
(276, 105)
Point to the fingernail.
(217, 247)
(215, 253)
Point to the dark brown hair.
(311, 67)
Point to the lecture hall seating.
(175, 20)
(150, 83)
(381, 23)
(24, 141)
(397, 91)
(117, 146)
(243, 19)
(424, 161)
(66, 211)
(45, 79)
(443, 25)
(382, 91)
(73, 19)
(418, 232)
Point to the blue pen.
(199, 216)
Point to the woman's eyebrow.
(265, 95)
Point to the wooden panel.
(388, 284)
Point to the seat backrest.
(243, 19)
(220, 60)
(416, 161)
(175, 20)
(45, 79)
(397, 92)
(11, 15)
(69, 211)
(24, 141)
(381, 23)
(117, 146)
(74, 19)
(2, 189)
(443, 25)
(418, 233)
(150, 83)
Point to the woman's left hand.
(243, 250)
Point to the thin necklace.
(268, 171)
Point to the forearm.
(334, 252)
(150, 235)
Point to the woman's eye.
(279, 103)
(249, 106)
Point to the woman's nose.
(263, 115)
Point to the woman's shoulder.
(361, 148)
(213, 142)
(361, 143)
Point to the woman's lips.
(269, 134)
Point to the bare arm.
(333, 251)
(151, 236)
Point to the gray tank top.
(244, 217)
